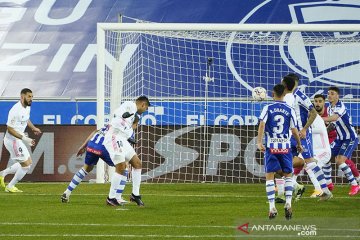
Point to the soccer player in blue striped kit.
(347, 138)
(276, 120)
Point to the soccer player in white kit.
(15, 140)
(121, 151)
(322, 152)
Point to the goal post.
(202, 124)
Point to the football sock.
(353, 168)
(347, 171)
(288, 189)
(295, 183)
(314, 181)
(115, 183)
(270, 192)
(76, 180)
(20, 173)
(136, 180)
(297, 171)
(280, 184)
(319, 175)
(121, 187)
(327, 172)
(10, 170)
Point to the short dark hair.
(294, 76)
(333, 88)
(279, 89)
(319, 96)
(143, 99)
(25, 91)
(289, 82)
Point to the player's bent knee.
(298, 162)
(137, 165)
(340, 159)
(136, 162)
(26, 163)
(88, 168)
(120, 168)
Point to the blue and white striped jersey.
(98, 137)
(302, 106)
(279, 118)
(344, 127)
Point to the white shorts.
(17, 149)
(322, 158)
(119, 148)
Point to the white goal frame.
(134, 27)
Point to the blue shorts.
(344, 147)
(95, 151)
(307, 145)
(276, 162)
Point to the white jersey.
(18, 118)
(321, 145)
(289, 98)
(120, 130)
(124, 125)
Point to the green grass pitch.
(172, 211)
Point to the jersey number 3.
(279, 124)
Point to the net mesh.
(203, 123)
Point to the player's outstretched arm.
(312, 116)
(332, 118)
(297, 138)
(82, 148)
(36, 130)
(260, 136)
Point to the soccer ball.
(259, 93)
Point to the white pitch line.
(121, 209)
(119, 225)
(163, 195)
(152, 225)
(171, 236)
(158, 195)
(118, 235)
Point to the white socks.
(121, 187)
(136, 180)
(10, 170)
(280, 184)
(115, 183)
(20, 173)
(314, 180)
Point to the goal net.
(202, 124)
